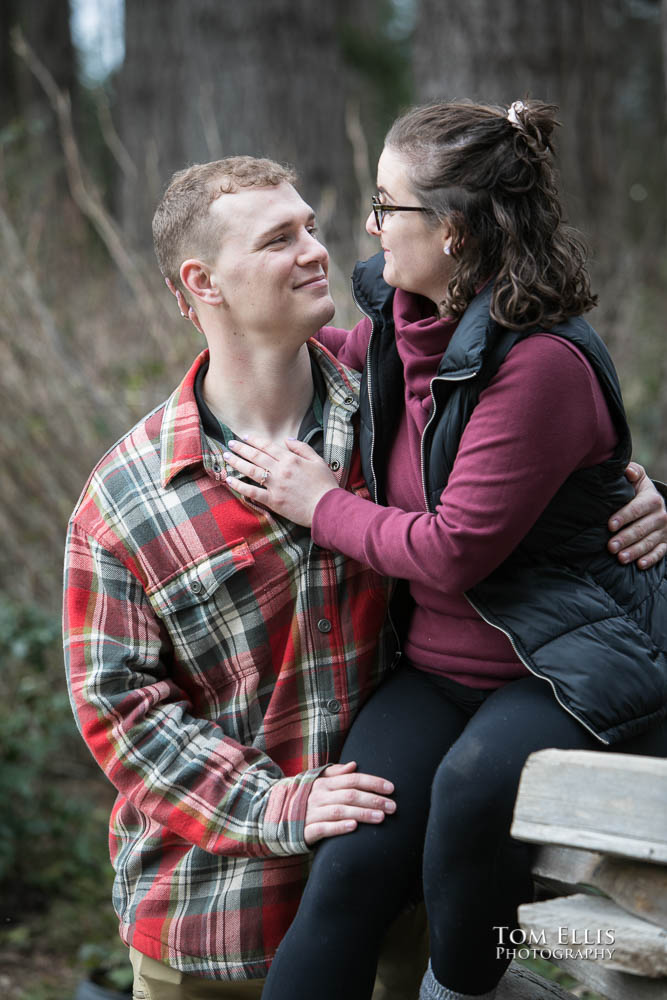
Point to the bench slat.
(582, 922)
(636, 886)
(520, 983)
(596, 801)
(569, 866)
(614, 985)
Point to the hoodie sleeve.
(541, 417)
(348, 346)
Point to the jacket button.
(324, 625)
(349, 400)
(334, 706)
(334, 465)
(196, 587)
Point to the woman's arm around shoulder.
(348, 346)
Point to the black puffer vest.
(595, 630)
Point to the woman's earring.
(447, 249)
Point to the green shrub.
(52, 836)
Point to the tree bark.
(601, 61)
(46, 28)
(262, 77)
(596, 59)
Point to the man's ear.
(197, 278)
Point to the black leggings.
(455, 757)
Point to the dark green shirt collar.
(310, 431)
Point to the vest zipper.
(369, 383)
(461, 378)
(574, 715)
(399, 651)
(436, 378)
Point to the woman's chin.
(388, 274)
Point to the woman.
(494, 442)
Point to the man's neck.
(264, 393)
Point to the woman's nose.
(371, 225)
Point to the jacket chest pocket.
(194, 586)
(216, 625)
(196, 606)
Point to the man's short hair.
(182, 226)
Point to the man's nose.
(312, 249)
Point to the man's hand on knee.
(341, 798)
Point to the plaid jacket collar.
(182, 439)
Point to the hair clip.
(515, 110)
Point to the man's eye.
(313, 230)
(278, 239)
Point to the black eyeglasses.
(380, 209)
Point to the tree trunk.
(601, 62)
(34, 153)
(262, 77)
(46, 28)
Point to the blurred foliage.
(379, 52)
(107, 966)
(551, 972)
(103, 371)
(50, 836)
(54, 859)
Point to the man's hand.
(341, 798)
(187, 312)
(644, 523)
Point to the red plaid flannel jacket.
(215, 659)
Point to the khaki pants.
(157, 981)
(400, 969)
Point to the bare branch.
(111, 137)
(209, 122)
(362, 171)
(46, 344)
(88, 199)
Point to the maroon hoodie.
(541, 417)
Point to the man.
(215, 656)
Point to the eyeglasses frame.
(380, 209)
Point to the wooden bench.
(602, 821)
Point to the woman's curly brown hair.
(494, 182)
